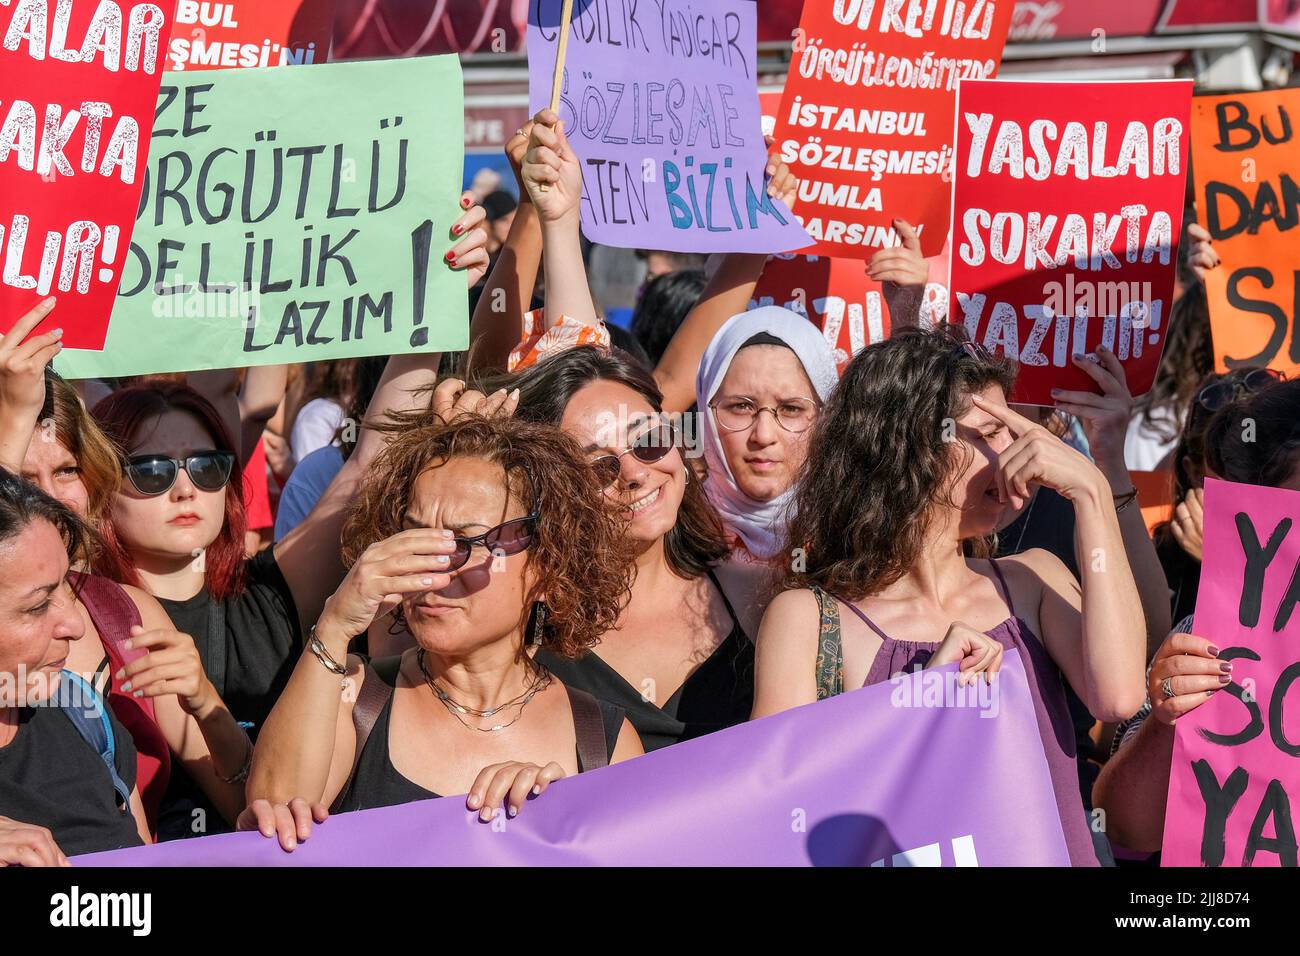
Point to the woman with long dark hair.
(909, 469)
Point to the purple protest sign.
(660, 103)
(885, 776)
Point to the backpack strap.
(83, 706)
(112, 611)
(593, 753)
(381, 678)
(830, 647)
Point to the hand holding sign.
(1192, 668)
(975, 651)
(1202, 257)
(470, 253)
(551, 162)
(23, 361)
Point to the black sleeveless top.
(377, 783)
(719, 693)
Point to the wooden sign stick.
(566, 20)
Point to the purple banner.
(660, 102)
(913, 772)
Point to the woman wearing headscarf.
(761, 383)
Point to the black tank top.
(719, 693)
(377, 783)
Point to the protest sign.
(1156, 496)
(1235, 776)
(80, 82)
(249, 33)
(842, 301)
(661, 105)
(866, 119)
(1067, 204)
(787, 790)
(266, 236)
(1248, 198)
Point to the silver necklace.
(456, 709)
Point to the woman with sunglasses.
(130, 652)
(490, 539)
(909, 469)
(1178, 540)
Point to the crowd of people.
(250, 598)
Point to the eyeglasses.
(1220, 393)
(508, 538)
(154, 475)
(649, 447)
(737, 414)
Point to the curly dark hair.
(581, 562)
(881, 458)
(1256, 439)
(696, 542)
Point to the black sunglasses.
(509, 537)
(649, 447)
(1220, 393)
(154, 475)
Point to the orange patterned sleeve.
(539, 341)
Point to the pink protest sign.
(1236, 763)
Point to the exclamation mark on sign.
(421, 243)
(108, 251)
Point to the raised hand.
(1105, 417)
(22, 381)
(469, 254)
(550, 162)
(516, 147)
(901, 265)
(407, 563)
(1188, 523)
(1202, 257)
(452, 399)
(1037, 457)
(511, 782)
(782, 183)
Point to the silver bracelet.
(318, 648)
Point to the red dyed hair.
(121, 415)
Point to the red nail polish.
(451, 257)
(465, 202)
(457, 229)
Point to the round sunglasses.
(1216, 395)
(508, 538)
(649, 447)
(154, 475)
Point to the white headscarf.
(760, 525)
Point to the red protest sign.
(839, 299)
(249, 33)
(80, 84)
(1067, 202)
(866, 118)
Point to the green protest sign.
(293, 214)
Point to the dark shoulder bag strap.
(830, 647)
(592, 750)
(213, 651)
(376, 689)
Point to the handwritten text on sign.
(1066, 206)
(80, 80)
(660, 102)
(1235, 777)
(1248, 198)
(866, 121)
(265, 237)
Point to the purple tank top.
(1050, 710)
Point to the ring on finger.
(1167, 687)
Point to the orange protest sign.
(1156, 496)
(1246, 162)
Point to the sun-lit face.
(765, 457)
(38, 613)
(52, 468)
(179, 524)
(978, 439)
(484, 603)
(606, 418)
